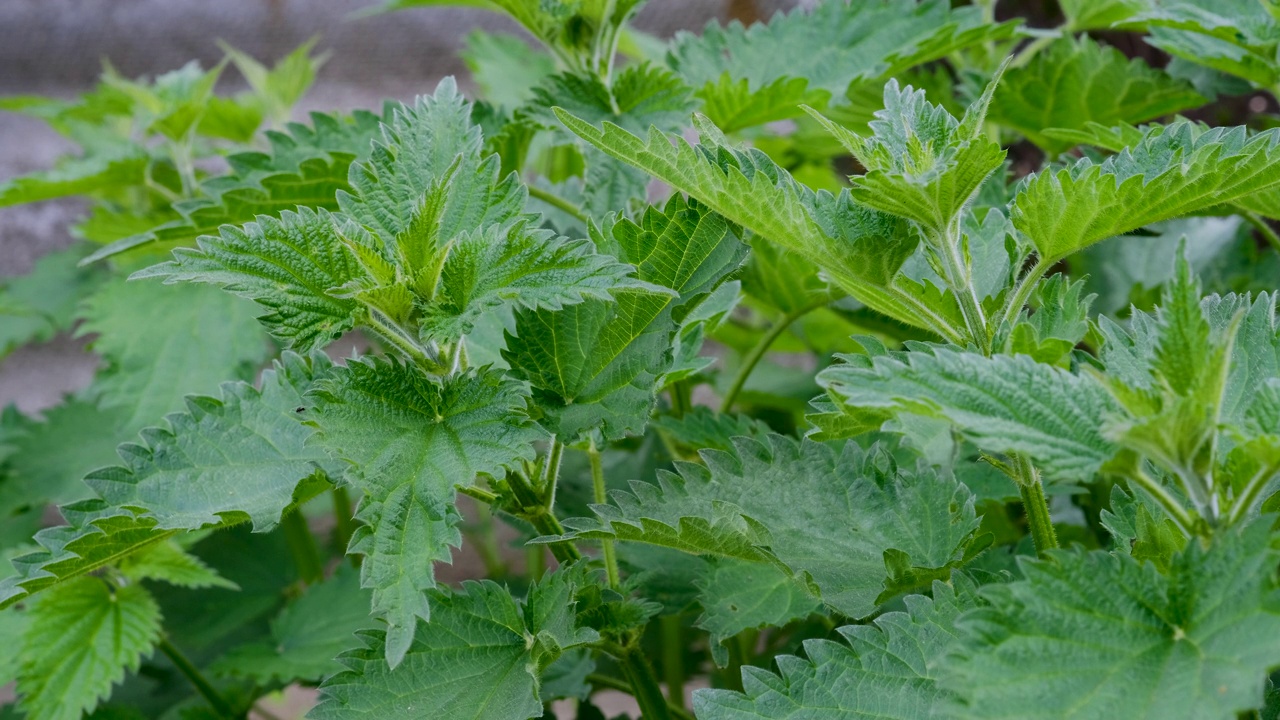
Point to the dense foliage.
(931, 381)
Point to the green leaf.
(305, 167)
(123, 165)
(882, 671)
(410, 440)
(1100, 14)
(307, 635)
(51, 458)
(738, 595)
(1002, 404)
(860, 249)
(1236, 37)
(858, 525)
(81, 641)
(1191, 644)
(594, 365)
(841, 42)
(42, 303)
(516, 266)
(14, 625)
(168, 562)
(1175, 170)
(161, 343)
(241, 454)
(288, 266)
(505, 68)
(641, 96)
(733, 106)
(1077, 81)
(479, 657)
(280, 87)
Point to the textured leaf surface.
(733, 106)
(287, 266)
(50, 459)
(850, 519)
(595, 364)
(1002, 404)
(122, 166)
(479, 657)
(1075, 82)
(162, 343)
(885, 670)
(1193, 644)
(1175, 170)
(409, 440)
(307, 635)
(738, 595)
(82, 639)
(168, 562)
(243, 453)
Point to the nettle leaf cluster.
(940, 377)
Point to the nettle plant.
(899, 396)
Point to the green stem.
(398, 338)
(644, 684)
(197, 680)
(961, 282)
(673, 658)
(302, 544)
(757, 353)
(599, 490)
(681, 398)
(484, 538)
(1249, 495)
(344, 516)
(1022, 293)
(532, 510)
(1170, 504)
(1263, 228)
(558, 202)
(552, 474)
(600, 680)
(1036, 507)
(535, 562)
(1029, 50)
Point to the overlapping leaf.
(242, 454)
(1002, 404)
(409, 440)
(859, 526)
(1194, 643)
(886, 670)
(480, 657)
(1174, 170)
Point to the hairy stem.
(598, 488)
(302, 545)
(197, 680)
(1036, 506)
(1170, 504)
(961, 281)
(551, 476)
(1242, 504)
(532, 510)
(1263, 228)
(344, 516)
(644, 684)
(757, 353)
(1022, 293)
(673, 658)
(558, 202)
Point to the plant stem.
(1029, 50)
(302, 544)
(681, 398)
(1036, 506)
(1167, 501)
(673, 658)
(197, 680)
(644, 684)
(344, 515)
(1026, 285)
(598, 488)
(533, 511)
(757, 353)
(552, 475)
(1242, 504)
(558, 202)
(601, 680)
(1263, 228)
(535, 557)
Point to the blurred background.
(58, 47)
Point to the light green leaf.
(1175, 170)
(733, 106)
(1002, 404)
(122, 165)
(1077, 81)
(883, 671)
(594, 365)
(505, 67)
(409, 440)
(737, 595)
(287, 266)
(51, 458)
(307, 635)
(36, 306)
(167, 562)
(520, 267)
(858, 525)
(641, 96)
(280, 87)
(1237, 37)
(1100, 14)
(478, 658)
(1195, 643)
(81, 641)
(243, 453)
